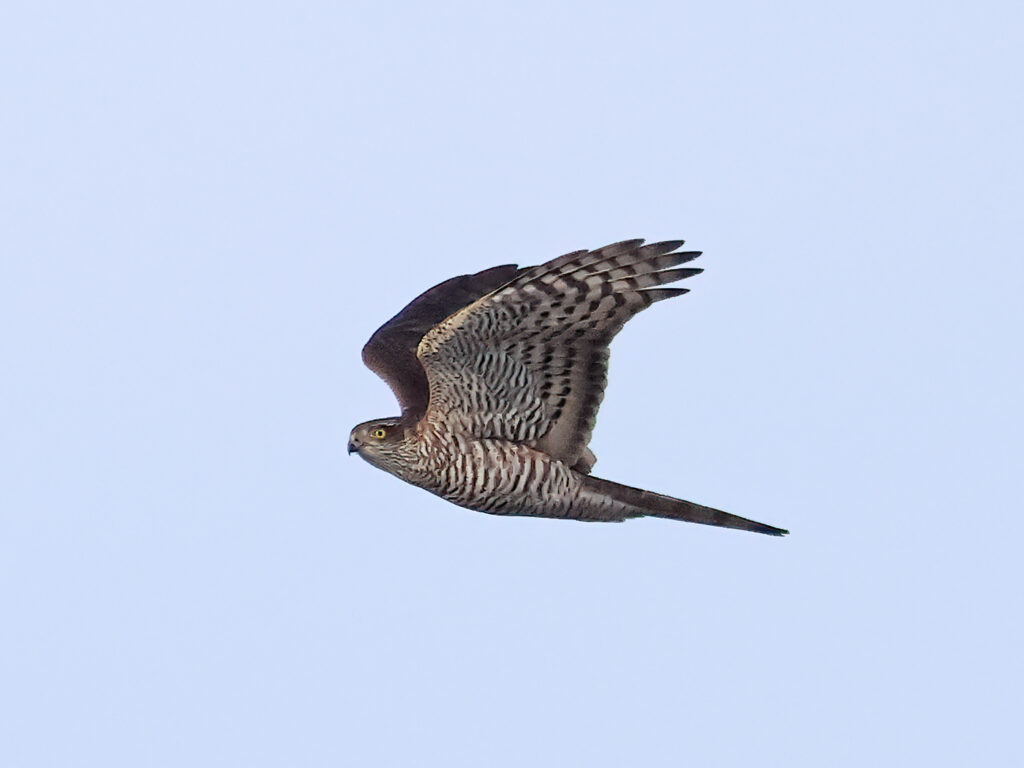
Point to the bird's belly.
(506, 478)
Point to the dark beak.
(352, 448)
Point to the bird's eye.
(378, 433)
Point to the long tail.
(604, 500)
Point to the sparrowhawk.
(499, 376)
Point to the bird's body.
(487, 474)
(500, 375)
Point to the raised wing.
(529, 361)
(391, 351)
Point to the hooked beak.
(352, 448)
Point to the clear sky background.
(208, 207)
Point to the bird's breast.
(494, 475)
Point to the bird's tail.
(604, 500)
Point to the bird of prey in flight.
(499, 376)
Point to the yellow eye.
(378, 433)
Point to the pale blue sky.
(208, 207)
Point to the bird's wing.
(528, 361)
(391, 351)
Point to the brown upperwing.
(391, 351)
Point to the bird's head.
(378, 441)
